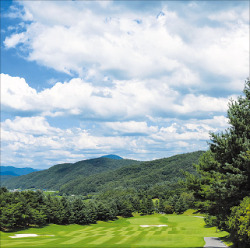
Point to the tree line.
(33, 208)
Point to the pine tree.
(149, 205)
(161, 206)
(225, 168)
(143, 206)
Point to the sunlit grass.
(181, 231)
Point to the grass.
(182, 231)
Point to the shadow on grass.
(228, 240)
(18, 229)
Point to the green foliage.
(168, 209)
(224, 170)
(19, 210)
(239, 223)
(210, 220)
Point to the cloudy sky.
(142, 80)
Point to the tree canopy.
(224, 170)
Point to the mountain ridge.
(7, 172)
(100, 174)
(57, 175)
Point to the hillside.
(140, 176)
(58, 175)
(7, 172)
(101, 174)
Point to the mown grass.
(182, 231)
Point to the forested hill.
(58, 175)
(102, 174)
(141, 176)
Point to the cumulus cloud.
(33, 141)
(141, 84)
(125, 100)
(133, 44)
(131, 128)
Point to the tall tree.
(225, 168)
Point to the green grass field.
(182, 231)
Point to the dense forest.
(34, 208)
(157, 176)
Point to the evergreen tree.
(149, 205)
(127, 209)
(161, 206)
(180, 206)
(156, 206)
(135, 203)
(225, 168)
(78, 215)
(66, 211)
(143, 206)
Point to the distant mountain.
(14, 171)
(7, 172)
(58, 175)
(112, 157)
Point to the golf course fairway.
(140, 231)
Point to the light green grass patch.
(182, 231)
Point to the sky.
(139, 79)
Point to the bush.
(239, 224)
(210, 220)
(168, 209)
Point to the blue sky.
(143, 80)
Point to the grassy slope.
(182, 231)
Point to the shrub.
(239, 224)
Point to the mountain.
(112, 157)
(101, 174)
(140, 176)
(7, 172)
(60, 174)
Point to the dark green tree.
(239, 223)
(149, 205)
(127, 209)
(156, 206)
(161, 206)
(143, 206)
(225, 169)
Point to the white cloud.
(31, 125)
(112, 43)
(127, 99)
(16, 93)
(192, 103)
(143, 80)
(132, 127)
(32, 141)
(14, 40)
(231, 15)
